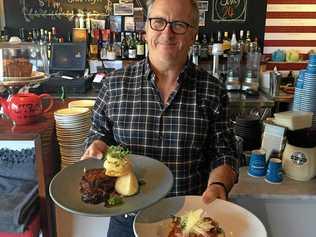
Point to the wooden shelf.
(286, 66)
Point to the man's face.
(166, 45)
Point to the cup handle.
(51, 101)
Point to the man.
(166, 108)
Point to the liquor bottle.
(93, 46)
(247, 41)
(210, 45)
(41, 36)
(49, 45)
(103, 51)
(110, 55)
(226, 43)
(204, 48)
(88, 24)
(116, 46)
(124, 46)
(140, 47)
(241, 42)
(22, 34)
(219, 37)
(76, 21)
(110, 52)
(233, 43)
(256, 44)
(81, 21)
(132, 48)
(29, 37)
(54, 35)
(33, 37)
(196, 50)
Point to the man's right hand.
(95, 150)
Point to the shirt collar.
(184, 75)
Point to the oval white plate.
(233, 219)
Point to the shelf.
(286, 66)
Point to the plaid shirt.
(190, 134)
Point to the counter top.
(257, 188)
(235, 98)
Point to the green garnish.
(117, 152)
(183, 223)
(115, 200)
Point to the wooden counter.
(47, 159)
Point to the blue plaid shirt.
(190, 134)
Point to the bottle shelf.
(286, 66)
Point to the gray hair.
(195, 11)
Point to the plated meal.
(194, 224)
(102, 188)
(188, 216)
(111, 183)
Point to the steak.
(95, 186)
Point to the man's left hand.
(213, 192)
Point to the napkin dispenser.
(299, 163)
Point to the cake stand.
(13, 84)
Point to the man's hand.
(213, 192)
(220, 182)
(95, 150)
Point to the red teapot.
(25, 108)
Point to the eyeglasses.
(177, 27)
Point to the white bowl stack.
(72, 128)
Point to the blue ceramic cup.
(257, 163)
(274, 172)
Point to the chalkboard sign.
(64, 8)
(232, 15)
(229, 10)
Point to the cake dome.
(22, 62)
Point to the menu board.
(229, 10)
(57, 9)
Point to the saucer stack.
(82, 104)
(72, 127)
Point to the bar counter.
(237, 100)
(286, 209)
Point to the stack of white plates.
(82, 104)
(72, 127)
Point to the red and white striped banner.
(290, 24)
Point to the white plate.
(82, 103)
(233, 219)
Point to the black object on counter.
(249, 128)
(305, 138)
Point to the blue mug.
(274, 172)
(257, 163)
